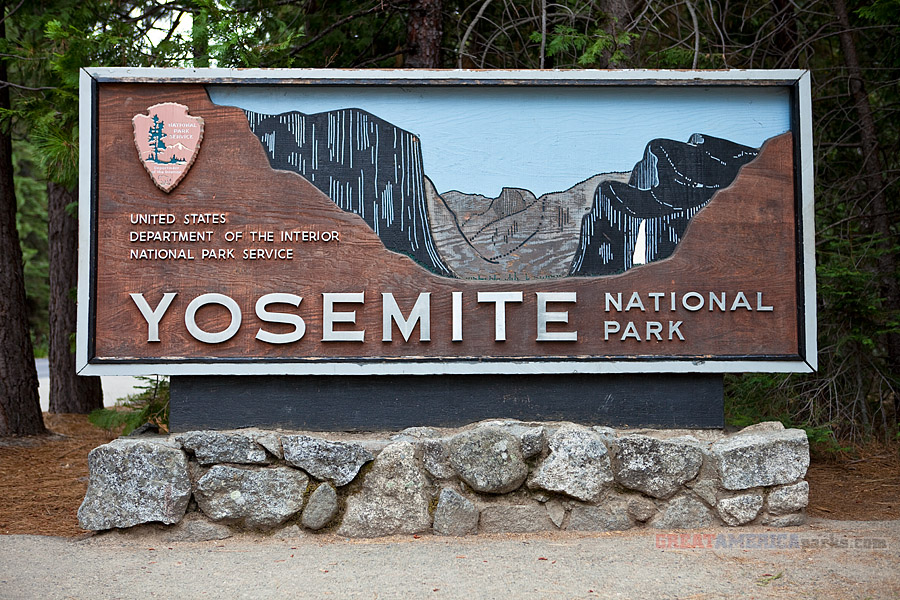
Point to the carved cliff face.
(365, 165)
(670, 185)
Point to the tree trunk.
(875, 184)
(423, 35)
(20, 407)
(69, 393)
(618, 19)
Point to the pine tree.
(20, 409)
(156, 138)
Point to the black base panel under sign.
(374, 403)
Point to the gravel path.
(824, 559)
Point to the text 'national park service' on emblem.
(167, 140)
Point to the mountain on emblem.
(167, 141)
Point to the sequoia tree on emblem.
(167, 141)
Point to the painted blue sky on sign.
(480, 140)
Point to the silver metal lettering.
(544, 317)
(631, 331)
(420, 313)
(693, 307)
(277, 317)
(610, 327)
(635, 302)
(654, 328)
(330, 317)
(740, 301)
(153, 316)
(718, 301)
(457, 316)
(614, 301)
(204, 336)
(499, 299)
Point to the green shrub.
(150, 405)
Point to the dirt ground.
(43, 480)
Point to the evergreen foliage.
(31, 220)
(150, 405)
(851, 47)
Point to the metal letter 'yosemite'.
(443, 222)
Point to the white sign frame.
(797, 80)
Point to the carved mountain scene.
(604, 225)
(515, 235)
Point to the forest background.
(851, 48)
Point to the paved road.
(43, 367)
(822, 560)
(113, 387)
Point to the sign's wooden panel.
(225, 239)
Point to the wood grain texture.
(743, 241)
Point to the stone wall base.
(491, 477)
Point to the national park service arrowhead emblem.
(167, 140)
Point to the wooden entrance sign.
(395, 223)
